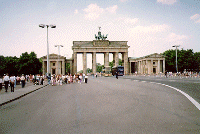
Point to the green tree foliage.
(68, 68)
(197, 61)
(99, 67)
(89, 70)
(26, 64)
(186, 60)
(29, 64)
(111, 63)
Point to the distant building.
(57, 64)
(150, 64)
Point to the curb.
(21, 96)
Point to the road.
(190, 86)
(104, 105)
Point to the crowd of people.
(11, 81)
(7, 81)
(67, 79)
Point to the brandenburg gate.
(100, 45)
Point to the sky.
(149, 26)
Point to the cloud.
(131, 21)
(112, 9)
(195, 18)
(151, 29)
(176, 39)
(198, 21)
(76, 11)
(168, 2)
(93, 12)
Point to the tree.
(196, 63)
(99, 67)
(186, 60)
(68, 68)
(89, 70)
(29, 64)
(8, 65)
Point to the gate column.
(115, 59)
(125, 62)
(106, 59)
(94, 62)
(75, 63)
(84, 62)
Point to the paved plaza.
(103, 105)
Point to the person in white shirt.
(12, 81)
(23, 80)
(6, 82)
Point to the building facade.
(150, 64)
(57, 64)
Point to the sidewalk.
(7, 97)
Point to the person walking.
(12, 81)
(6, 82)
(86, 78)
(83, 77)
(80, 77)
(15, 83)
(116, 75)
(1, 81)
(23, 81)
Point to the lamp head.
(42, 25)
(53, 26)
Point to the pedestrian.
(166, 73)
(6, 81)
(15, 83)
(86, 78)
(1, 81)
(80, 77)
(42, 80)
(23, 81)
(116, 74)
(68, 78)
(61, 80)
(96, 75)
(49, 78)
(12, 81)
(83, 77)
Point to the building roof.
(53, 56)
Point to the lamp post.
(58, 55)
(176, 56)
(43, 26)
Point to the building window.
(154, 63)
(54, 64)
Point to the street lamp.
(176, 56)
(43, 26)
(58, 55)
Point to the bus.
(119, 69)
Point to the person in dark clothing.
(116, 74)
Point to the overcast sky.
(149, 26)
